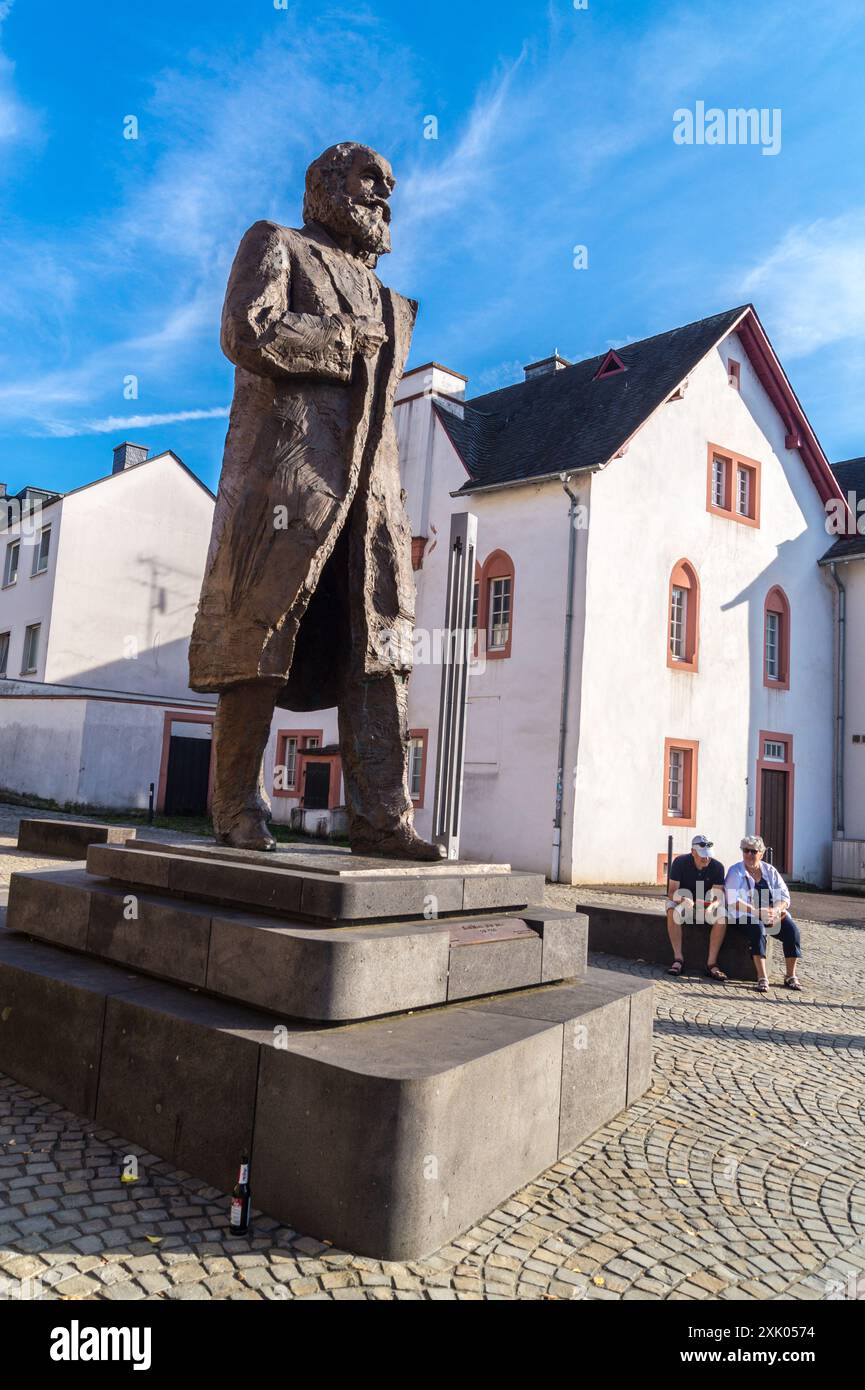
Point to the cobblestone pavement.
(739, 1175)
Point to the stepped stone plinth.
(400, 1046)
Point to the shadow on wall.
(771, 711)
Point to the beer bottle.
(241, 1200)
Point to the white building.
(100, 587)
(680, 485)
(845, 563)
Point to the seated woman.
(758, 900)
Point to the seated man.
(758, 900)
(696, 894)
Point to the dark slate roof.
(851, 476)
(563, 421)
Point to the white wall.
(852, 575)
(129, 565)
(648, 512)
(82, 751)
(514, 703)
(29, 600)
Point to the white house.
(658, 632)
(99, 590)
(845, 563)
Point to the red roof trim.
(774, 380)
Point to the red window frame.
(691, 750)
(733, 462)
(777, 602)
(684, 576)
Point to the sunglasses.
(753, 851)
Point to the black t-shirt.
(684, 871)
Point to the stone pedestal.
(399, 1046)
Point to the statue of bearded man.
(308, 593)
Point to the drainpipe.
(566, 678)
(840, 685)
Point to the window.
(494, 595)
(683, 618)
(289, 762)
(4, 652)
(719, 481)
(774, 751)
(676, 783)
(31, 649)
(773, 645)
(680, 782)
(417, 764)
(499, 629)
(734, 371)
(678, 622)
(40, 551)
(10, 570)
(776, 641)
(291, 745)
(733, 486)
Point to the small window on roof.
(611, 364)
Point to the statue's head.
(347, 191)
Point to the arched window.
(776, 640)
(683, 618)
(496, 604)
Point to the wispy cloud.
(811, 286)
(113, 423)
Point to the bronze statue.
(308, 593)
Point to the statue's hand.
(369, 335)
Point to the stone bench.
(68, 839)
(638, 933)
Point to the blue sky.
(555, 129)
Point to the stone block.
(163, 937)
(179, 1075)
(68, 839)
(53, 904)
(639, 934)
(52, 1007)
(327, 973)
(606, 1027)
(145, 870)
(566, 940)
(487, 966)
(465, 1111)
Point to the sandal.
(677, 967)
(762, 986)
(714, 972)
(792, 983)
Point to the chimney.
(127, 455)
(546, 365)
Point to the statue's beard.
(364, 224)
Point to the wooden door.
(773, 815)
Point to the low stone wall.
(640, 934)
(68, 839)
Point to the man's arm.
(259, 331)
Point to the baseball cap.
(703, 844)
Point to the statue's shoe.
(249, 832)
(400, 844)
